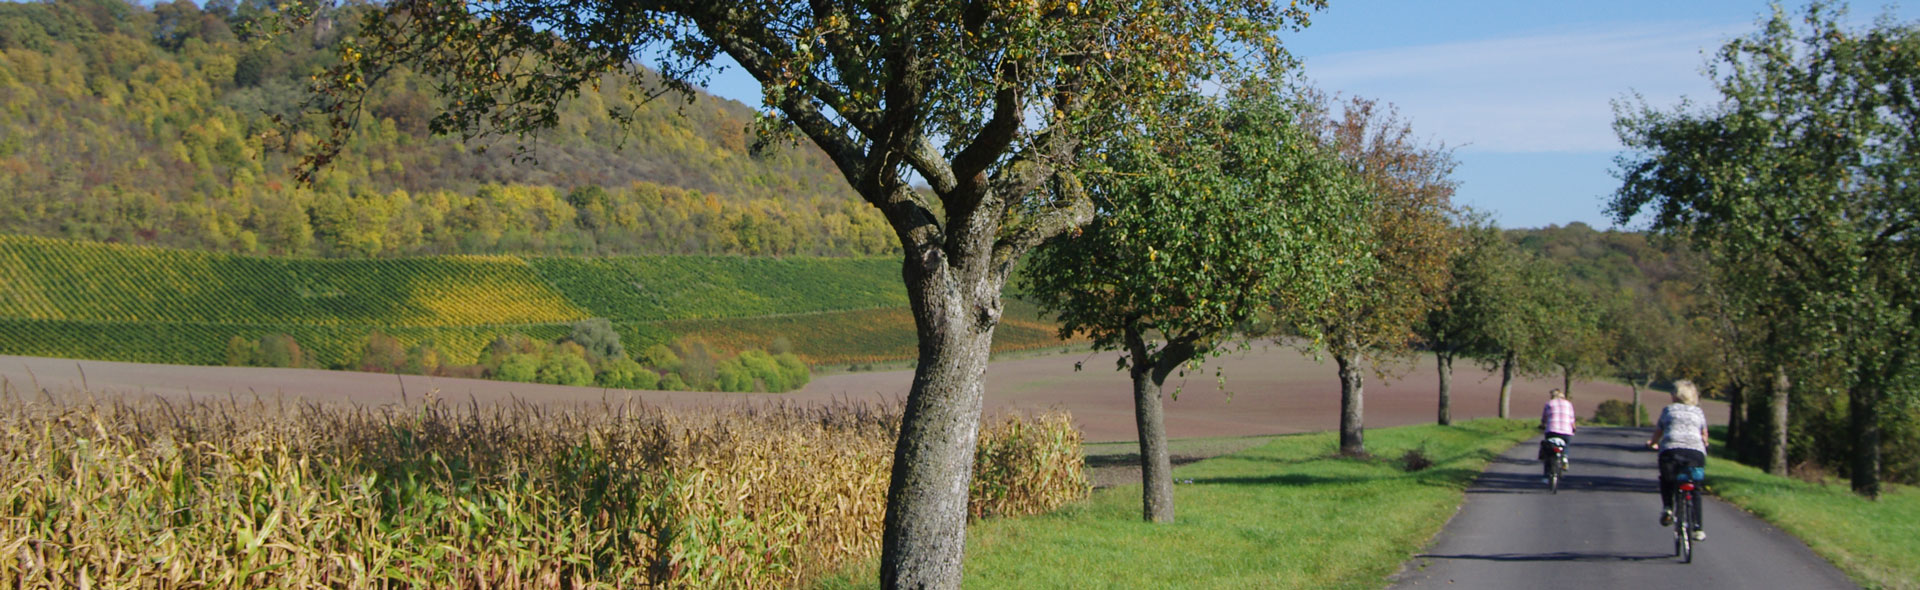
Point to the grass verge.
(1285, 514)
(1876, 542)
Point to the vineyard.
(51, 279)
(647, 288)
(143, 304)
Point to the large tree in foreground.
(1199, 223)
(1811, 160)
(985, 103)
(1372, 322)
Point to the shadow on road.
(1529, 483)
(1556, 556)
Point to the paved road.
(1602, 531)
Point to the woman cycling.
(1556, 421)
(1681, 437)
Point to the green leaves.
(1799, 185)
(1202, 221)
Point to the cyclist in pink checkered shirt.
(1556, 420)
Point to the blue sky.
(1522, 89)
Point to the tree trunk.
(1635, 409)
(1781, 390)
(1352, 441)
(1636, 400)
(1506, 382)
(1156, 471)
(1736, 443)
(1444, 362)
(955, 312)
(1566, 380)
(1863, 407)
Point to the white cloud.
(1537, 93)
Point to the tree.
(1479, 288)
(1642, 343)
(1407, 226)
(1200, 223)
(1808, 161)
(985, 104)
(1575, 343)
(1517, 328)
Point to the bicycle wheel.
(1553, 481)
(1683, 525)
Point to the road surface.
(1602, 531)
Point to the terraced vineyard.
(129, 303)
(636, 288)
(60, 280)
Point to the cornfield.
(245, 493)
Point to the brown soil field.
(1267, 390)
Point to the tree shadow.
(1285, 479)
(1529, 483)
(1554, 556)
(1133, 460)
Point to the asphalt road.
(1602, 531)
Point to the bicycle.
(1555, 456)
(1685, 521)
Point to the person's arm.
(1659, 426)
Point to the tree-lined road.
(1602, 531)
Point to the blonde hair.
(1556, 394)
(1685, 392)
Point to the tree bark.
(1444, 361)
(1506, 382)
(1736, 442)
(1782, 389)
(1863, 407)
(955, 312)
(1352, 433)
(1156, 470)
(1635, 408)
(1566, 380)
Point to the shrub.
(511, 344)
(623, 373)
(796, 372)
(565, 367)
(280, 350)
(672, 382)
(598, 338)
(423, 359)
(660, 357)
(381, 353)
(241, 351)
(523, 368)
(1618, 413)
(698, 367)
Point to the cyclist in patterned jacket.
(1681, 437)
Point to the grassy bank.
(1877, 543)
(1284, 514)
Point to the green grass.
(1285, 514)
(1876, 542)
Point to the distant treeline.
(176, 125)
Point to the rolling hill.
(146, 304)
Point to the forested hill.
(155, 125)
(1615, 260)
